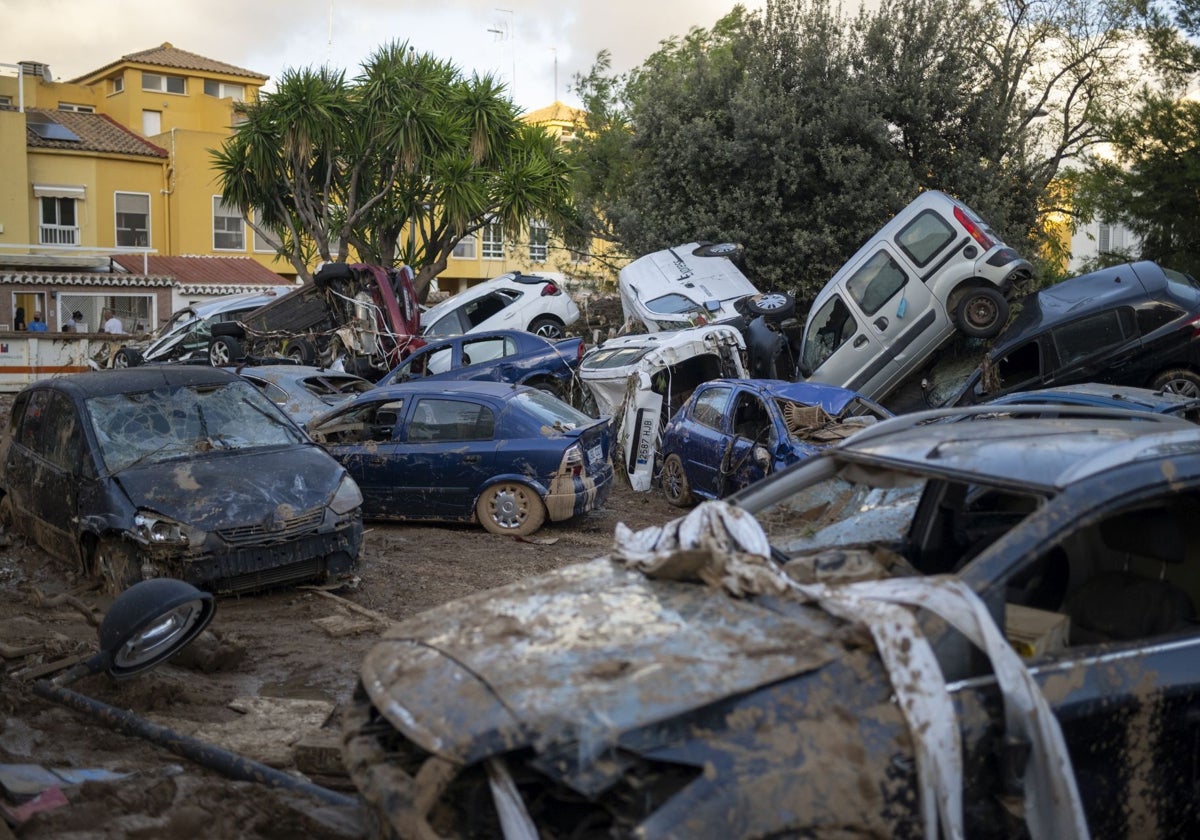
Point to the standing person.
(19, 319)
(112, 324)
(37, 324)
(78, 322)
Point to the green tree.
(799, 131)
(327, 165)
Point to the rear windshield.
(551, 411)
(1178, 278)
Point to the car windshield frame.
(182, 421)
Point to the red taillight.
(976, 232)
(549, 289)
(1194, 324)
(579, 352)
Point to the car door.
(708, 435)
(753, 429)
(43, 472)
(447, 451)
(365, 439)
(1093, 349)
(496, 311)
(1124, 686)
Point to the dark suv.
(1134, 324)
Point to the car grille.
(265, 532)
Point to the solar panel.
(53, 131)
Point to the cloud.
(519, 42)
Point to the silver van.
(936, 267)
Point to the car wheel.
(549, 386)
(774, 306)
(301, 351)
(224, 350)
(510, 508)
(114, 563)
(718, 249)
(675, 484)
(1179, 381)
(546, 327)
(981, 312)
(126, 357)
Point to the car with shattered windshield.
(175, 471)
(303, 392)
(985, 627)
(508, 457)
(732, 432)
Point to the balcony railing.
(58, 235)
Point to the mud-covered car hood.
(582, 653)
(227, 489)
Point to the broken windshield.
(166, 423)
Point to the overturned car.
(735, 677)
(362, 318)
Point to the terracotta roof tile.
(167, 55)
(96, 133)
(202, 271)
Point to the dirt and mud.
(266, 681)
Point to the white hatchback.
(512, 301)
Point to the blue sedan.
(732, 432)
(507, 456)
(512, 356)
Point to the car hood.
(230, 489)
(585, 652)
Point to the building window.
(116, 84)
(164, 84)
(466, 248)
(493, 241)
(224, 90)
(81, 109)
(229, 231)
(584, 254)
(151, 123)
(539, 235)
(264, 243)
(133, 220)
(58, 221)
(5, 100)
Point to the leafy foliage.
(327, 165)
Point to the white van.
(934, 268)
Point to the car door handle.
(860, 341)
(470, 459)
(881, 323)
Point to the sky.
(534, 46)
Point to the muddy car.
(361, 318)
(626, 697)
(174, 471)
(732, 432)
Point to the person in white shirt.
(112, 323)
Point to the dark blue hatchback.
(508, 456)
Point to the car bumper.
(571, 497)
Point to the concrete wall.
(26, 357)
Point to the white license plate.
(595, 455)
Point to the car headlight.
(346, 498)
(156, 529)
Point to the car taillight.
(976, 232)
(573, 461)
(1194, 325)
(550, 289)
(579, 352)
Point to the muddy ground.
(284, 661)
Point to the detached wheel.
(675, 484)
(981, 312)
(732, 250)
(546, 327)
(126, 357)
(224, 350)
(1180, 381)
(774, 306)
(510, 508)
(113, 561)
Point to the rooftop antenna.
(555, 51)
(329, 43)
(504, 32)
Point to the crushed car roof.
(122, 380)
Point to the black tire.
(301, 351)
(549, 386)
(981, 312)
(675, 484)
(1178, 381)
(510, 508)
(114, 562)
(774, 306)
(127, 357)
(732, 250)
(547, 327)
(224, 350)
